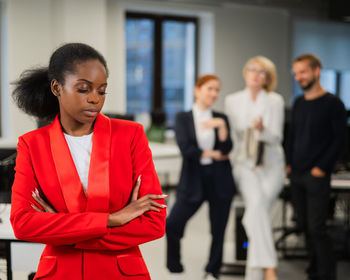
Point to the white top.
(205, 136)
(80, 148)
(242, 111)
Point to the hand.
(136, 207)
(288, 169)
(317, 172)
(214, 123)
(258, 124)
(223, 157)
(214, 154)
(46, 207)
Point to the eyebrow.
(89, 82)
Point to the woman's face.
(208, 93)
(83, 94)
(255, 76)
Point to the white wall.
(230, 35)
(28, 45)
(242, 32)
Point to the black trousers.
(183, 210)
(310, 197)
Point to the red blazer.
(79, 243)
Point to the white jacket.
(242, 111)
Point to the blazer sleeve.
(41, 227)
(273, 128)
(189, 149)
(290, 136)
(225, 146)
(150, 225)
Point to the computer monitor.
(7, 173)
(128, 117)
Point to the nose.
(214, 93)
(297, 78)
(93, 97)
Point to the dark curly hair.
(32, 92)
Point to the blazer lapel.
(191, 127)
(68, 177)
(216, 115)
(98, 182)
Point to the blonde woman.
(256, 116)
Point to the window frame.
(157, 102)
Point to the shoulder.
(37, 134)
(124, 124)
(299, 100)
(125, 127)
(219, 115)
(333, 98)
(336, 104)
(183, 115)
(231, 97)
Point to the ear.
(56, 88)
(196, 90)
(317, 71)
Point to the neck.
(314, 92)
(202, 106)
(254, 92)
(76, 128)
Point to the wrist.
(113, 221)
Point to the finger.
(154, 196)
(158, 205)
(135, 191)
(42, 202)
(36, 208)
(38, 199)
(154, 209)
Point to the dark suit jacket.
(190, 185)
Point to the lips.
(91, 112)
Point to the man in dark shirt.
(315, 139)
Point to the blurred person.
(315, 138)
(204, 141)
(256, 116)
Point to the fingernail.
(33, 193)
(139, 178)
(163, 195)
(164, 206)
(36, 191)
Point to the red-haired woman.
(203, 138)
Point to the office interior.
(229, 32)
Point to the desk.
(20, 255)
(167, 161)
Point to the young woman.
(85, 185)
(256, 115)
(203, 137)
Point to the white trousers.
(259, 188)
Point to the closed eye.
(82, 90)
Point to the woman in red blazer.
(92, 229)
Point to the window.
(161, 64)
(344, 88)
